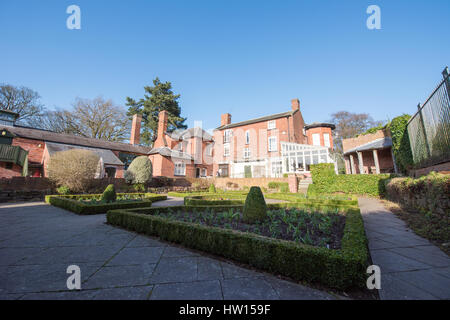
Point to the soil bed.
(299, 225)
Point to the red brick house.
(31, 148)
(369, 154)
(270, 146)
(185, 153)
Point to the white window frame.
(272, 146)
(180, 169)
(272, 124)
(226, 147)
(227, 135)
(247, 137)
(247, 153)
(315, 135)
(327, 140)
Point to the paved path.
(38, 242)
(411, 267)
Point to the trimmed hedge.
(78, 207)
(97, 196)
(255, 207)
(325, 180)
(109, 195)
(339, 269)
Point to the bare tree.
(97, 118)
(23, 101)
(350, 124)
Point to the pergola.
(368, 154)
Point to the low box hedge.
(339, 269)
(72, 204)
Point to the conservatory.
(297, 158)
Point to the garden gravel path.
(411, 266)
(38, 242)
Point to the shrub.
(139, 171)
(284, 187)
(139, 187)
(109, 195)
(326, 181)
(63, 190)
(280, 186)
(255, 208)
(74, 169)
(212, 188)
(400, 142)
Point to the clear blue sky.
(249, 58)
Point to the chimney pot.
(295, 104)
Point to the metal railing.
(429, 128)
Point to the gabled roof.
(381, 143)
(107, 156)
(167, 152)
(266, 118)
(190, 133)
(50, 136)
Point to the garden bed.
(92, 204)
(340, 262)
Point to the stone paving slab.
(41, 241)
(411, 267)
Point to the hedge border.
(338, 269)
(73, 205)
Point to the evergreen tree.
(157, 98)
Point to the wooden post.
(360, 162)
(375, 159)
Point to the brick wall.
(223, 183)
(35, 148)
(348, 144)
(321, 131)
(15, 171)
(443, 167)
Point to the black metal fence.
(429, 128)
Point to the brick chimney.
(295, 104)
(136, 129)
(162, 128)
(225, 119)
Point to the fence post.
(419, 107)
(445, 74)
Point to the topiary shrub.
(63, 190)
(212, 188)
(109, 195)
(74, 169)
(255, 208)
(139, 171)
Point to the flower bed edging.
(339, 269)
(81, 208)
